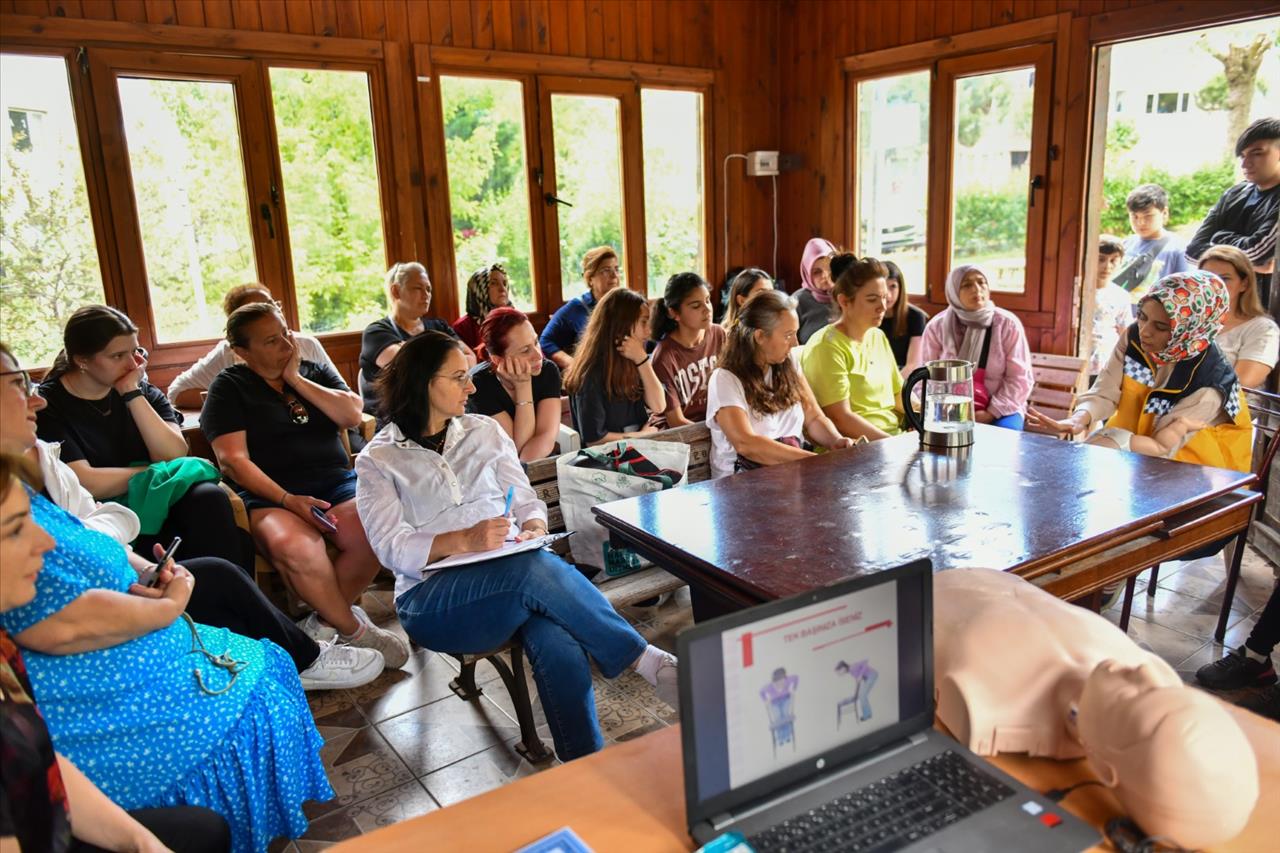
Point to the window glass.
(893, 172)
(990, 178)
(193, 207)
(484, 139)
(48, 257)
(588, 148)
(324, 127)
(673, 185)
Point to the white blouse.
(407, 495)
(1256, 339)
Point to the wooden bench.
(1057, 380)
(621, 592)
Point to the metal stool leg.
(1229, 594)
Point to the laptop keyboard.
(890, 813)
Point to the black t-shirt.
(294, 455)
(101, 432)
(376, 337)
(33, 800)
(594, 414)
(916, 321)
(490, 397)
(812, 313)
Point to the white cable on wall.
(724, 180)
(774, 272)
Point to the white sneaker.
(310, 625)
(668, 686)
(395, 651)
(340, 667)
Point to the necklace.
(436, 442)
(96, 405)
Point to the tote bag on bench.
(609, 472)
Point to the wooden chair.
(1057, 380)
(1264, 410)
(508, 659)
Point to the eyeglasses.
(28, 387)
(297, 411)
(462, 379)
(615, 272)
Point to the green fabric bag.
(153, 491)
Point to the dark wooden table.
(1069, 517)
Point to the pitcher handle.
(912, 417)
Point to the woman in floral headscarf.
(813, 300)
(972, 328)
(487, 289)
(1167, 389)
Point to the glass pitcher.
(946, 403)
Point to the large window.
(673, 213)
(951, 168)
(485, 144)
(324, 128)
(893, 172)
(48, 256)
(542, 168)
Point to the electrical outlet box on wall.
(762, 163)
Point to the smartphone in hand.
(151, 575)
(324, 520)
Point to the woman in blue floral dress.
(156, 710)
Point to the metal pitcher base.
(959, 438)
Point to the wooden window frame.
(1037, 42)
(542, 75)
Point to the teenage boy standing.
(1245, 215)
(1151, 252)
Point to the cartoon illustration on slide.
(780, 703)
(864, 678)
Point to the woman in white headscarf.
(974, 329)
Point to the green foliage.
(1122, 136)
(1190, 195)
(325, 134)
(989, 222)
(48, 259)
(1213, 95)
(981, 99)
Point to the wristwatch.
(127, 396)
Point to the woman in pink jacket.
(975, 330)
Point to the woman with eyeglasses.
(111, 424)
(408, 300)
(437, 482)
(602, 272)
(185, 390)
(273, 422)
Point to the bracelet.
(642, 361)
(524, 402)
(283, 495)
(131, 395)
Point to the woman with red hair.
(517, 386)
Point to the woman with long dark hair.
(111, 424)
(688, 345)
(903, 322)
(613, 391)
(435, 483)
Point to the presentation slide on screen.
(810, 680)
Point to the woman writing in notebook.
(433, 484)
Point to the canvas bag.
(583, 488)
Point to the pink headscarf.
(813, 250)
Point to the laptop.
(807, 724)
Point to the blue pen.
(511, 493)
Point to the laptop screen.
(802, 681)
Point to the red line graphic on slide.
(747, 656)
(867, 630)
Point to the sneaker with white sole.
(310, 625)
(340, 667)
(395, 651)
(668, 686)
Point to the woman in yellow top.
(850, 364)
(1167, 389)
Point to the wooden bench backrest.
(1057, 379)
(542, 474)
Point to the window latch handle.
(552, 199)
(1036, 183)
(265, 210)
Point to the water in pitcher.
(948, 413)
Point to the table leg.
(1229, 594)
(1129, 586)
(707, 605)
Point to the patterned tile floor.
(405, 745)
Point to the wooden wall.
(814, 37)
(737, 39)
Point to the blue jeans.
(558, 616)
(1014, 421)
(864, 695)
